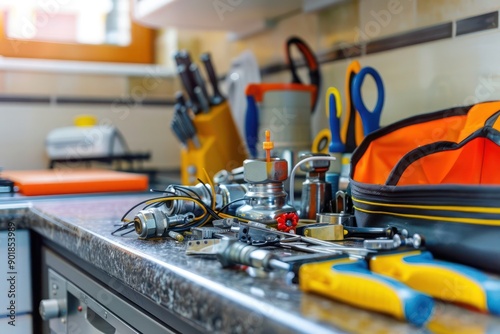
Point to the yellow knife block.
(221, 146)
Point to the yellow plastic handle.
(338, 102)
(320, 142)
(443, 280)
(353, 69)
(351, 282)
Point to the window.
(91, 30)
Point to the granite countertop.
(198, 289)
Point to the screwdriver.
(448, 281)
(340, 278)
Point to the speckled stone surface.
(198, 289)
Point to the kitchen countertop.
(197, 289)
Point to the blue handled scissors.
(358, 120)
(369, 119)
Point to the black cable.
(123, 227)
(229, 204)
(185, 227)
(142, 202)
(211, 197)
(188, 192)
(206, 206)
(190, 195)
(152, 199)
(125, 233)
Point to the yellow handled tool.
(351, 281)
(443, 280)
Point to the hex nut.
(261, 171)
(315, 165)
(145, 225)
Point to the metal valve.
(265, 200)
(154, 222)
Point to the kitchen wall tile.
(432, 12)
(29, 83)
(91, 85)
(2, 82)
(381, 18)
(338, 25)
(153, 87)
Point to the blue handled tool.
(370, 119)
(443, 280)
(351, 281)
(334, 112)
(332, 137)
(252, 125)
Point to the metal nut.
(145, 224)
(315, 165)
(260, 171)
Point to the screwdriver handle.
(443, 280)
(351, 281)
(217, 97)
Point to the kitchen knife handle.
(186, 81)
(217, 97)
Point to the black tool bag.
(438, 175)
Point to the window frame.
(140, 49)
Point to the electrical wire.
(211, 186)
(135, 206)
(211, 192)
(182, 193)
(226, 215)
(221, 210)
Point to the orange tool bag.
(438, 175)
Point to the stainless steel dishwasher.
(77, 303)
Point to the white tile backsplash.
(428, 77)
(91, 85)
(28, 83)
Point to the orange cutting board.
(75, 181)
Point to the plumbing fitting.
(224, 194)
(154, 222)
(316, 192)
(265, 200)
